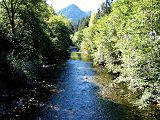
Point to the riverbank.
(78, 97)
(23, 102)
(74, 90)
(119, 93)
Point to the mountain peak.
(74, 13)
(73, 6)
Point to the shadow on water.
(74, 95)
(25, 102)
(77, 96)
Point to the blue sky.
(85, 5)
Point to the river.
(76, 95)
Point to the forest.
(31, 34)
(122, 37)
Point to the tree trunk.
(12, 18)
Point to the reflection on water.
(122, 95)
(75, 95)
(78, 98)
(80, 56)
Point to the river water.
(77, 96)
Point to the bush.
(121, 42)
(22, 71)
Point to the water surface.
(77, 96)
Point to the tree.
(105, 8)
(93, 19)
(121, 42)
(11, 7)
(31, 34)
(84, 22)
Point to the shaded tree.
(84, 22)
(11, 7)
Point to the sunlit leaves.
(31, 34)
(121, 41)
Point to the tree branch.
(18, 5)
(15, 4)
(7, 9)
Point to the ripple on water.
(79, 99)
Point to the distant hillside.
(74, 12)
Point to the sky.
(85, 5)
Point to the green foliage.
(77, 38)
(22, 71)
(61, 29)
(31, 34)
(105, 8)
(121, 42)
(83, 23)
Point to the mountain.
(74, 13)
(89, 13)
